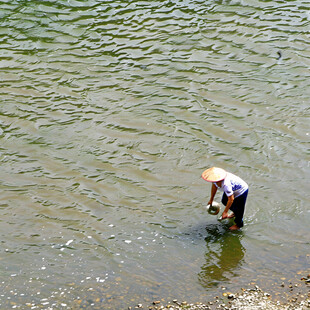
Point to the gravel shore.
(247, 299)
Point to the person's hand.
(210, 202)
(224, 215)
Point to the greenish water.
(109, 113)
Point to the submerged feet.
(234, 227)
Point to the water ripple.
(110, 111)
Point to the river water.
(111, 110)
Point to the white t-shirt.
(233, 185)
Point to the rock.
(248, 299)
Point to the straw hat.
(214, 174)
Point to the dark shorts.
(237, 207)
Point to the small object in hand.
(214, 208)
(230, 216)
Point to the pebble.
(247, 299)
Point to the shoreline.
(252, 298)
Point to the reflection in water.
(224, 254)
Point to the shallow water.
(109, 113)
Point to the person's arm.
(213, 192)
(230, 201)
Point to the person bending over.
(234, 196)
